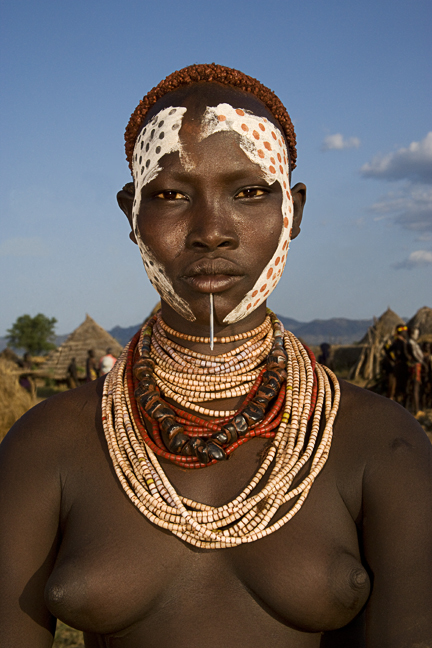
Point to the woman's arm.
(397, 529)
(30, 494)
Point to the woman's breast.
(123, 571)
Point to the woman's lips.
(212, 283)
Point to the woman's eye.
(170, 195)
(252, 192)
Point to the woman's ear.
(125, 199)
(298, 193)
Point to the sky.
(355, 77)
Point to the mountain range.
(337, 330)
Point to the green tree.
(34, 334)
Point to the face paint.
(159, 137)
(264, 145)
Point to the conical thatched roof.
(382, 327)
(422, 321)
(89, 335)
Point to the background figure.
(415, 363)
(72, 374)
(398, 357)
(426, 388)
(106, 363)
(324, 357)
(91, 367)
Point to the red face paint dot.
(263, 288)
(280, 143)
(272, 169)
(288, 194)
(240, 112)
(277, 261)
(284, 184)
(267, 145)
(256, 303)
(281, 168)
(244, 127)
(256, 134)
(269, 273)
(289, 208)
(248, 306)
(221, 117)
(267, 293)
(290, 234)
(274, 135)
(285, 245)
(283, 259)
(260, 153)
(285, 222)
(262, 127)
(279, 157)
(255, 293)
(272, 160)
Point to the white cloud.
(337, 142)
(413, 163)
(410, 206)
(21, 246)
(416, 259)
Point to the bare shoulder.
(58, 424)
(375, 423)
(376, 444)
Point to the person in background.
(398, 356)
(72, 374)
(426, 395)
(91, 367)
(415, 363)
(324, 357)
(106, 363)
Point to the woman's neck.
(201, 329)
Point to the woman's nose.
(212, 228)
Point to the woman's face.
(213, 211)
(211, 220)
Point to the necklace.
(248, 517)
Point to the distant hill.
(337, 330)
(123, 335)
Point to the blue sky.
(355, 76)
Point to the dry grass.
(66, 637)
(14, 400)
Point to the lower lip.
(212, 283)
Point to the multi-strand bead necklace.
(287, 392)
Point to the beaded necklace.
(248, 517)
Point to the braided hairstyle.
(210, 73)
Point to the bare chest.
(117, 574)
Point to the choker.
(290, 399)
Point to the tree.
(34, 334)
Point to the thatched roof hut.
(368, 364)
(422, 321)
(383, 327)
(89, 335)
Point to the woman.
(318, 515)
